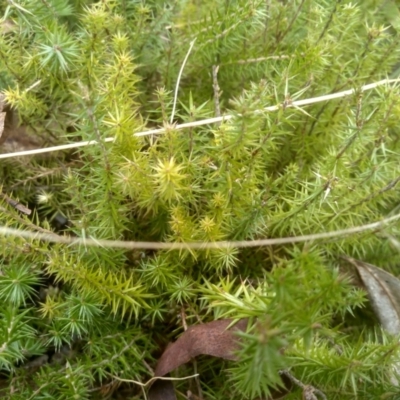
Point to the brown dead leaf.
(215, 338)
(384, 293)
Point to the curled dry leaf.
(384, 293)
(213, 339)
(216, 338)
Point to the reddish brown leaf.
(216, 339)
(213, 339)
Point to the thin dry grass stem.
(15, 204)
(163, 378)
(143, 385)
(208, 121)
(217, 91)
(179, 80)
(258, 60)
(92, 242)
